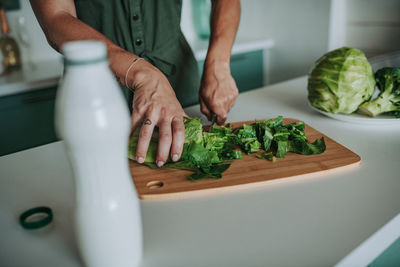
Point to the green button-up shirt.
(149, 29)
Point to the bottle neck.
(77, 66)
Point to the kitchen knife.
(214, 118)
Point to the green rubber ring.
(37, 223)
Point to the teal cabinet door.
(247, 69)
(27, 120)
(389, 257)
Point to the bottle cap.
(82, 52)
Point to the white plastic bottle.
(93, 120)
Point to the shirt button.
(135, 16)
(138, 42)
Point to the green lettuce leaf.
(207, 153)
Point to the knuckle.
(145, 133)
(179, 130)
(223, 116)
(165, 136)
(203, 109)
(163, 112)
(139, 109)
(151, 109)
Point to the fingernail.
(160, 163)
(140, 159)
(175, 157)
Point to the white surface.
(359, 118)
(373, 26)
(43, 74)
(312, 222)
(93, 120)
(300, 30)
(374, 246)
(37, 49)
(337, 24)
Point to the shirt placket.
(137, 28)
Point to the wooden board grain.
(244, 173)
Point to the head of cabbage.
(340, 81)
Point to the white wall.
(373, 26)
(40, 50)
(300, 30)
(370, 25)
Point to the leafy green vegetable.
(247, 139)
(202, 152)
(152, 150)
(388, 81)
(193, 130)
(340, 81)
(267, 155)
(286, 138)
(206, 153)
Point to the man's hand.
(218, 91)
(155, 104)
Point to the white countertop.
(308, 222)
(40, 75)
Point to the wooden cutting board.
(245, 173)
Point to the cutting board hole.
(155, 184)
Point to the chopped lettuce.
(267, 155)
(207, 153)
(203, 152)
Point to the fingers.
(221, 117)
(178, 138)
(138, 114)
(164, 142)
(135, 120)
(204, 109)
(219, 111)
(145, 136)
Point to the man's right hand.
(155, 104)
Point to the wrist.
(119, 62)
(216, 66)
(215, 59)
(219, 50)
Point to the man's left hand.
(218, 91)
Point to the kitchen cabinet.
(246, 68)
(27, 120)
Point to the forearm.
(225, 17)
(60, 25)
